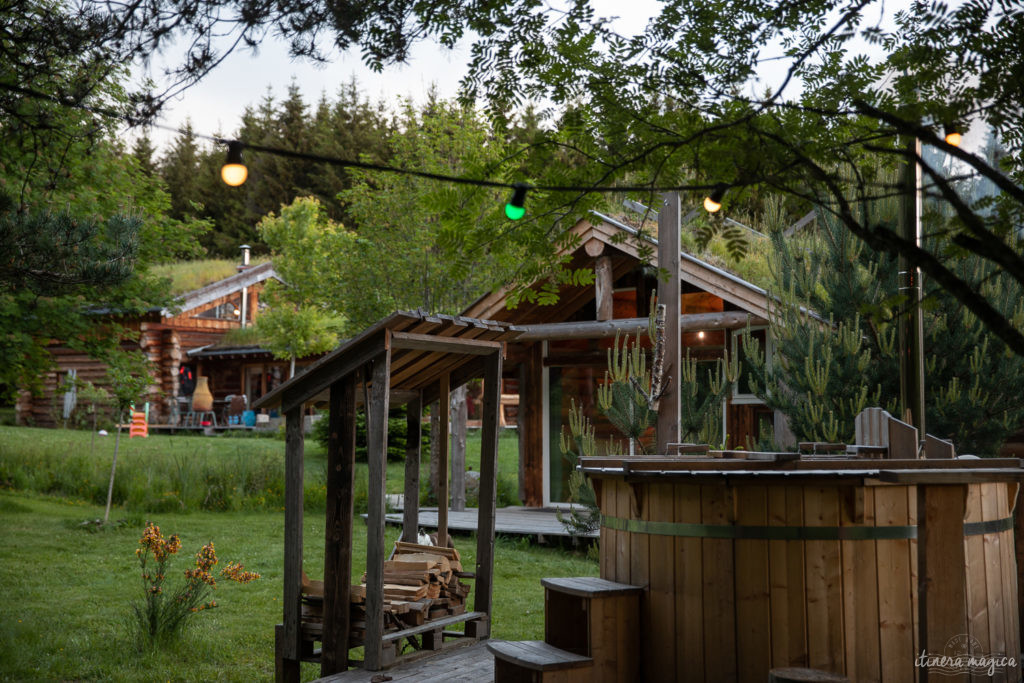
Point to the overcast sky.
(215, 105)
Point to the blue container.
(249, 418)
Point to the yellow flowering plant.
(161, 614)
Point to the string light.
(234, 172)
(516, 206)
(344, 163)
(954, 136)
(713, 202)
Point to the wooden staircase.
(591, 634)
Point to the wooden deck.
(515, 521)
(470, 663)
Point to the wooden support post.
(443, 401)
(459, 415)
(413, 441)
(530, 424)
(293, 472)
(488, 486)
(341, 459)
(433, 640)
(376, 453)
(941, 572)
(603, 287)
(284, 669)
(669, 295)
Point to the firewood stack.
(421, 582)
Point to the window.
(225, 311)
(743, 392)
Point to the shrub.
(161, 615)
(397, 426)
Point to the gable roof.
(220, 288)
(596, 235)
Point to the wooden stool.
(595, 618)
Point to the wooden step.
(536, 655)
(590, 586)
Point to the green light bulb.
(514, 213)
(516, 207)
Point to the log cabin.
(181, 344)
(562, 355)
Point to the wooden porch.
(513, 520)
(469, 663)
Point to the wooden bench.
(534, 661)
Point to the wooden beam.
(377, 452)
(320, 378)
(413, 441)
(341, 462)
(941, 571)
(484, 589)
(693, 322)
(668, 294)
(427, 342)
(444, 403)
(293, 475)
(603, 288)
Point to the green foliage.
(80, 220)
(420, 243)
(701, 397)
(824, 371)
(185, 276)
(158, 474)
(291, 332)
(585, 516)
(347, 127)
(622, 398)
(301, 320)
(127, 377)
(397, 427)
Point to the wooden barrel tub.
(749, 566)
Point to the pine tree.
(145, 153)
(830, 365)
(180, 170)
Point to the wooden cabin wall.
(164, 342)
(45, 409)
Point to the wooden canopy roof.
(423, 347)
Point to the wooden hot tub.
(750, 565)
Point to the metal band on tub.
(789, 533)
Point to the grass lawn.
(66, 591)
(180, 472)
